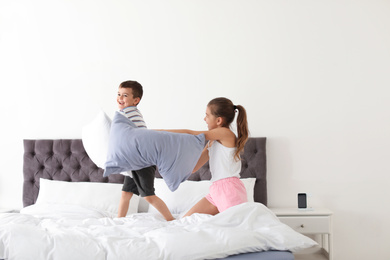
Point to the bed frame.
(67, 160)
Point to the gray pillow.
(131, 148)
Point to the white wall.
(313, 75)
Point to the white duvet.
(73, 232)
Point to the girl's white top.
(222, 162)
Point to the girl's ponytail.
(223, 107)
(242, 130)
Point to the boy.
(129, 95)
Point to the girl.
(223, 153)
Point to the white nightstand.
(314, 222)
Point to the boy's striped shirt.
(134, 115)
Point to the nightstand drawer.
(308, 225)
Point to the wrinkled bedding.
(50, 231)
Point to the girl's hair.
(223, 107)
(135, 86)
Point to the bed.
(69, 213)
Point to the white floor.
(315, 253)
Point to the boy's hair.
(135, 86)
(223, 107)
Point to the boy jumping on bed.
(142, 183)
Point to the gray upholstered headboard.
(66, 160)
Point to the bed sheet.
(68, 232)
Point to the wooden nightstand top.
(301, 212)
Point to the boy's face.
(125, 98)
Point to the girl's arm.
(204, 157)
(181, 131)
(222, 134)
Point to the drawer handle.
(302, 226)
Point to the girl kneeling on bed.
(223, 153)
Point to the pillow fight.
(176, 153)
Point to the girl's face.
(211, 120)
(125, 98)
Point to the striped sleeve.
(133, 114)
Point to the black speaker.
(302, 201)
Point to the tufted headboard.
(66, 160)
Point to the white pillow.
(100, 196)
(189, 193)
(249, 184)
(95, 136)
